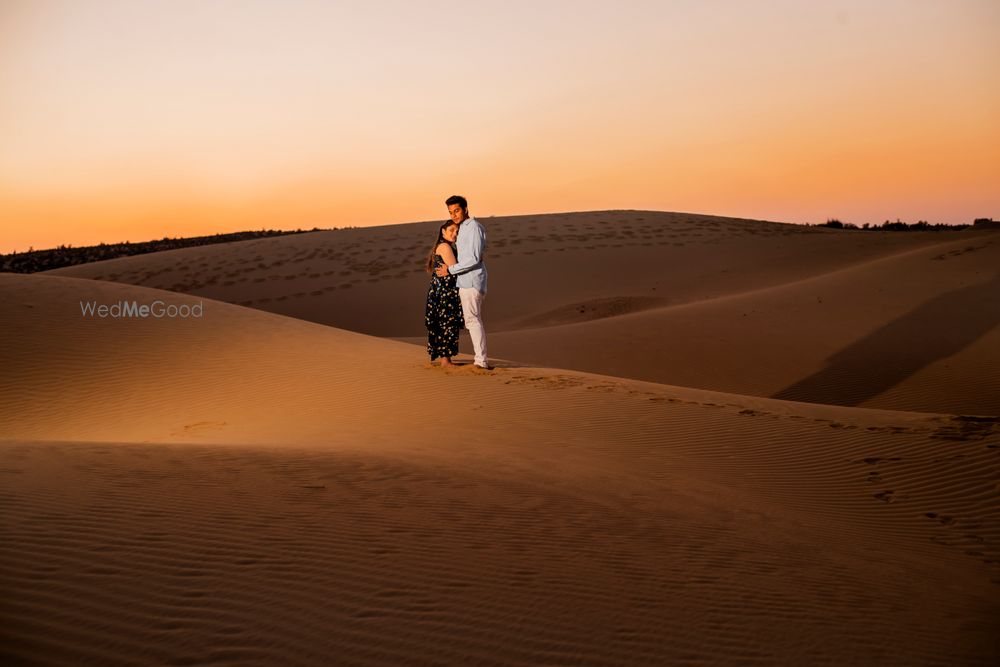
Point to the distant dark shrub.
(66, 255)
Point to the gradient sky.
(138, 119)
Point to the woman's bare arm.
(446, 254)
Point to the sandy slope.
(543, 268)
(744, 306)
(249, 488)
(914, 331)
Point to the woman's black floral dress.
(443, 315)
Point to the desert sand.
(741, 306)
(699, 446)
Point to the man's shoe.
(485, 368)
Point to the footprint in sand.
(875, 460)
(200, 428)
(886, 496)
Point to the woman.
(443, 315)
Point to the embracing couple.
(458, 286)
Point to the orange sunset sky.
(127, 119)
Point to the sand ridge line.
(654, 305)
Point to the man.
(471, 272)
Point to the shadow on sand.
(894, 352)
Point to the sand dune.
(742, 306)
(250, 488)
(370, 280)
(913, 331)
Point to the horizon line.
(419, 222)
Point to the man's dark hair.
(457, 199)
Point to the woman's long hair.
(440, 239)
